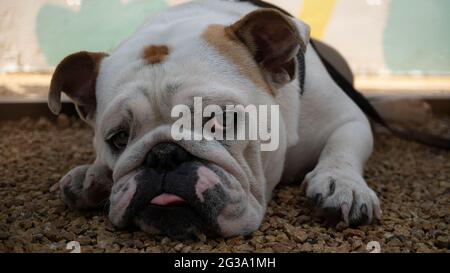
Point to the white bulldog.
(227, 52)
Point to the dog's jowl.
(227, 53)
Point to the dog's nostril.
(167, 156)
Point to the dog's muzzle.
(173, 193)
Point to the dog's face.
(180, 187)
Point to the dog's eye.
(228, 121)
(119, 140)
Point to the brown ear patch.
(155, 54)
(273, 41)
(76, 75)
(229, 46)
(265, 27)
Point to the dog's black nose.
(167, 156)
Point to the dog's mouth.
(172, 192)
(171, 215)
(180, 203)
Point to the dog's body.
(213, 49)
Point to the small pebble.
(297, 234)
(350, 232)
(63, 121)
(4, 234)
(442, 242)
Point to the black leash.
(370, 111)
(357, 97)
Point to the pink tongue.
(166, 199)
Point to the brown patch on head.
(228, 45)
(155, 54)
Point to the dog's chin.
(178, 221)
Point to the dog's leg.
(86, 186)
(336, 184)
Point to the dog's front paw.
(342, 194)
(86, 186)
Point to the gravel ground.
(413, 183)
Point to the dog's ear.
(76, 75)
(274, 40)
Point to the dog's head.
(179, 187)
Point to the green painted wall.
(99, 25)
(417, 36)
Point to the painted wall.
(376, 36)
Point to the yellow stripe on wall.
(317, 13)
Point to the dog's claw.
(345, 210)
(304, 185)
(365, 214)
(317, 200)
(377, 212)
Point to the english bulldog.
(226, 52)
